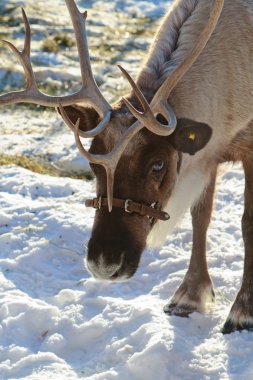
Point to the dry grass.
(56, 43)
(40, 166)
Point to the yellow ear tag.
(192, 136)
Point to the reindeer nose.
(101, 265)
(103, 271)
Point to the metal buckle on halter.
(127, 202)
(150, 218)
(99, 203)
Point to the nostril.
(115, 275)
(118, 271)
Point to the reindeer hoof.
(179, 310)
(240, 316)
(232, 326)
(190, 298)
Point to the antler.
(159, 104)
(147, 118)
(89, 92)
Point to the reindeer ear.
(190, 136)
(89, 118)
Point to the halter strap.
(130, 207)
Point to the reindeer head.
(144, 178)
(135, 155)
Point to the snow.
(58, 323)
(45, 135)
(142, 8)
(138, 8)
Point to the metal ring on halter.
(127, 202)
(99, 203)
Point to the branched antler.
(89, 92)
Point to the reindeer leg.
(196, 288)
(241, 313)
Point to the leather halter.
(130, 207)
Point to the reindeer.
(155, 152)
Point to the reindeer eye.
(158, 166)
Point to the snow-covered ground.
(44, 136)
(56, 322)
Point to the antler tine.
(148, 117)
(92, 92)
(136, 89)
(27, 45)
(106, 161)
(110, 183)
(24, 55)
(109, 161)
